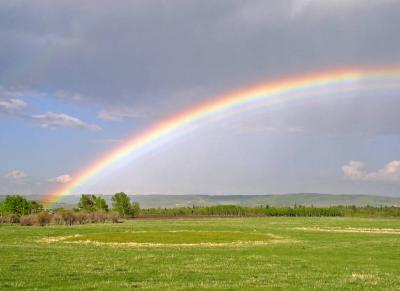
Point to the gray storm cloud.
(149, 51)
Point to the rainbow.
(275, 92)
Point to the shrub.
(101, 216)
(28, 220)
(9, 218)
(113, 217)
(12, 218)
(68, 217)
(57, 219)
(81, 217)
(43, 218)
(92, 217)
(97, 216)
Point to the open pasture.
(193, 254)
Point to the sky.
(78, 78)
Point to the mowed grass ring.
(172, 237)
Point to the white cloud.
(11, 105)
(55, 120)
(63, 179)
(357, 171)
(15, 175)
(354, 170)
(391, 172)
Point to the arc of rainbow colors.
(292, 88)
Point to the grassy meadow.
(204, 253)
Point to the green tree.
(91, 203)
(122, 204)
(135, 209)
(101, 204)
(35, 207)
(16, 204)
(87, 202)
(2, 209)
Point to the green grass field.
(193, 254)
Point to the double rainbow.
(282, 91)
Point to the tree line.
(266, 210)
(90, 209)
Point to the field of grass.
(193, 254)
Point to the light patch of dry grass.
(352, 230)
(54, 239)
(363, 277)
(174, 245)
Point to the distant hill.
(170, 201)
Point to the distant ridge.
(308, 199)
(170, 201)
